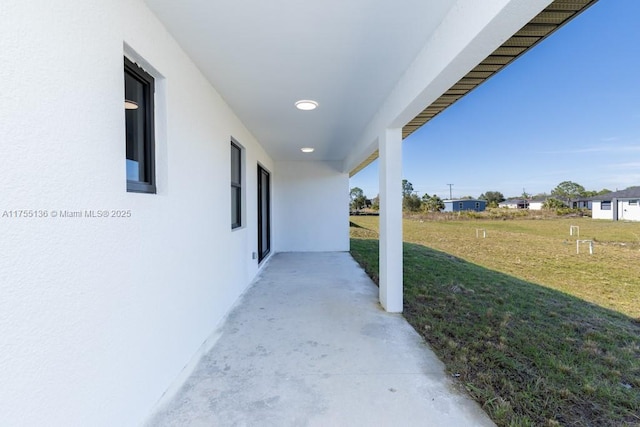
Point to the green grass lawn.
(538, 334)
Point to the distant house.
(536, 204)
(618, 205)
(581, 203)
(465, 205)
(515, 204)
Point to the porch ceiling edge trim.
(554, 16)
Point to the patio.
(309, 344)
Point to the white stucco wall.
(311, 207)
(627, 211)
(598, 213)
(99, 316)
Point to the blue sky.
(567, 110)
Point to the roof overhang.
(554, 16)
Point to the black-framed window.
(138, 95)
(236, 185)
(605, 205)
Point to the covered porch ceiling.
(357, 59)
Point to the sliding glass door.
(264, 213)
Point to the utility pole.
(450, 193)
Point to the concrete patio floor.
(309, 345)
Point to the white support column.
(390, 171)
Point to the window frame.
(633, 202)
(236, 186)
(605, 205)
(148, 183)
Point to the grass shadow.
(528, 354)
(356, 230)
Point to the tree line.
(410, 200)
(561, 196)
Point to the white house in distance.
(536, 204)
(618, 205)
(514, 204)
(153, 158)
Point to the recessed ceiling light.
(306, 105)
(307, 149)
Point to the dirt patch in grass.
(529, 354)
